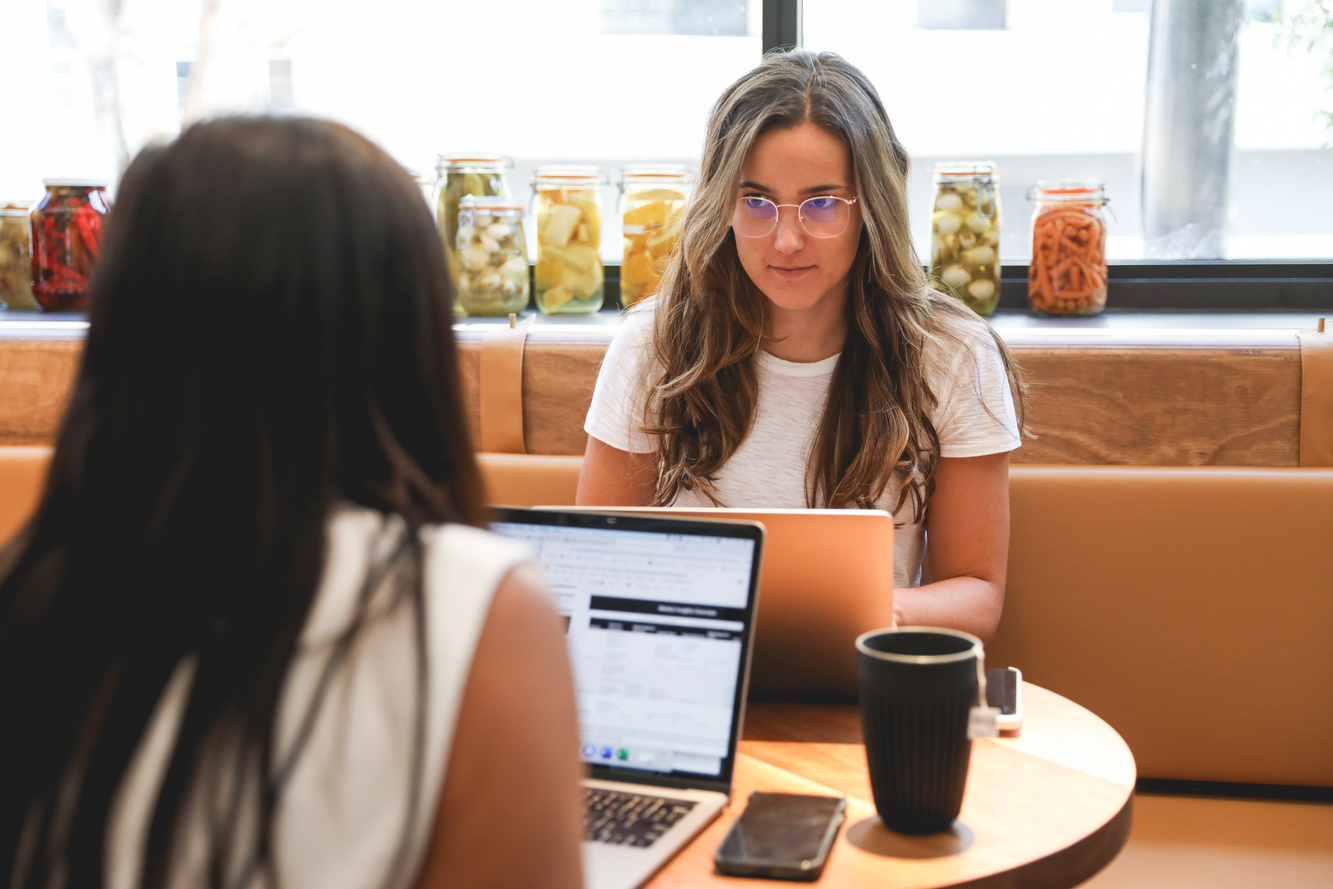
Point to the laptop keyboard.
(628, 819)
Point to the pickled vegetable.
(1067, 275)
(568, 274)
(66, 235)
(651, 229)
(464, 176)
(965, 241)
(493, 258)
(15, 257)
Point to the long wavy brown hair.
(710, 318)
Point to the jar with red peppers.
(66, 234)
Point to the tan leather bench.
(1191, 608)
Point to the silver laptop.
(661, 613)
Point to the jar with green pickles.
(15, 256)
(568, 275)
(458, 175)
(493, 254)
(965, 234)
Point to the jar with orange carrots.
(1067, 275)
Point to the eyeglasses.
(821, 217)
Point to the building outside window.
(1043, 88)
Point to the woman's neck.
(805, 335)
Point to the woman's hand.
(967, 542)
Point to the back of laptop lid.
(661, 613)
(827, 578)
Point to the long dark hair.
(709, 323)
(270, 335)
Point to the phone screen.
(781, 827)
(1002, 689)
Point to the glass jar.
(568, 206)
(965, 234)
(1067, 275)
(425, 182)
(15, 256)
(493, 256)
(652, 200)
(457, 175)
(66, 236)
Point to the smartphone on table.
(785, 836)
(1004, 691)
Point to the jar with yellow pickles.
(965, 234)
(567, 202)
(458, 175)
(652, 200)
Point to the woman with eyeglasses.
(795, 355)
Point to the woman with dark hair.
(795, 355)
(254, 635)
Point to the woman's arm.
(967, 533)
(612, 477)
(513, 774)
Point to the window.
(1056, 89)
(580, 81)
(1044, 88)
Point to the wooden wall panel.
(1162, 406)
(36, 381)
(1142, 405)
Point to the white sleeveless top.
(344, 809)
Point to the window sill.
(1018, 328)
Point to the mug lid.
(974, 649)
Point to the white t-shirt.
(344, 810)
(974, 416)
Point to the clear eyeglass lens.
(821, 217)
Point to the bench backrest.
(1190, 608)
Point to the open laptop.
(661, 612)
(827, 578)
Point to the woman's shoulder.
(955, 333)
(473, 545)
(958, 323)
(637, 322)
(455, 557)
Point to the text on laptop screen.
(655, 624)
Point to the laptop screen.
(659, 615)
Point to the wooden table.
(1047, 806)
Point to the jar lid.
(1072, 190)
(75, 183)
(458, 163)
(493, 205)
(952, 171)
(655, 174)
(14, 208)
(568, 176)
